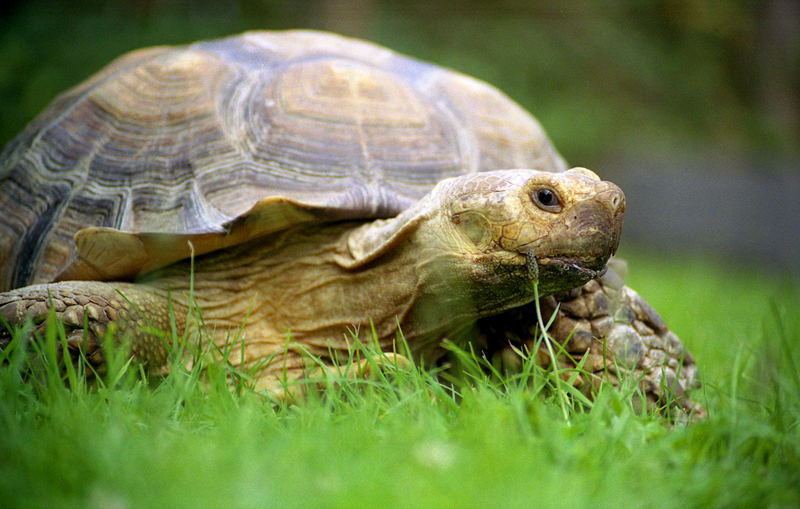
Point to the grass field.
(410, 442)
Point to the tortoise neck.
(292, 284)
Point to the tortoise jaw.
(557, 273)
(573, 267)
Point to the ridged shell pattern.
(186, 139)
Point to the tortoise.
(309, 188)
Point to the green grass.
(411, 442)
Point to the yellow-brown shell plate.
(169, 145)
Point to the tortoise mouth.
(557, 273)
(574, 267)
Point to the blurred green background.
(692, 106)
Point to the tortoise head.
(513, 227)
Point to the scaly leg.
(610, 331)
(131, 310)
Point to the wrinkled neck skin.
(307, 284)
(456, 287)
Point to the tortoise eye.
(547, 199)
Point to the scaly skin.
(612, 333)
(462, 253)
(130, 309)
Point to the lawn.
(412, 442)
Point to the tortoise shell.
(222, 141)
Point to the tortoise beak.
(594, 227)
(613, 200)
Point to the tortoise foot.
(85, 318)
(88, 311)
(603, 332)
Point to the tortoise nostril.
(615, 200)
(619, 203)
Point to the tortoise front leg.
(611, 332)
(88, 309)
